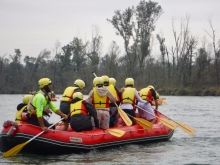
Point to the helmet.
(43, 82)
(26, 98)
(105, 79)
(150, 86)
(78, 94)
(98, 81)
(112, 81)
(129, 81)
(80, 83)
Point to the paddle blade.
(124, 117)
(186, 128)
(144, 123)
(116, 132)
(168, 123)
(14, 150)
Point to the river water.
(202, 148)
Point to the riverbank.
(211, 91)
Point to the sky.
(33, 26)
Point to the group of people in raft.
(99, 110)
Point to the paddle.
(17, 148)
(142, 122)
(166, 122)
(184, 127)
(123, 115)
(116, 132)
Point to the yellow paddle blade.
(116, 132)
(168, 123)
(186, 128)
(124, 116)
(144, 123)
(164, 101)
(14, 150)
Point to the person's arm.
(139, 99)
(111, 96)
(92, 112)
(154, 94)
(119, 95)
(89, 99)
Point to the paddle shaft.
(43, 131)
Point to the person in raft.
(129, 97)
(40, 103)
(149, 94)
(80, 114)
(67, 99)
(100, 98)
(20, 115)
(113, 109)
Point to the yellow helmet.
(129, 81)
(112, 81)
(43, 82)
(105, 79)
(78, 94)
(98, 81)
(80, 83)
(26, 98)
(150, 86)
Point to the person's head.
(112, 81)
(129, 82)
(105, 79)
(98, 81)
(78, 95)
(26, 98)
(80, 83)
(45, 84)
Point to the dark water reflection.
(201, 113)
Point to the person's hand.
(45, 129)
(122, 90)
(64, 116)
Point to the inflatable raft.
(60, 142)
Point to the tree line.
(186, 68)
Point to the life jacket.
(128, 96)
(68, 94)
(32, 109)
(98, 101)
(78, 108)
(19, 118)
(146, 94)
(111, 88)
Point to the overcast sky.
(33, 26)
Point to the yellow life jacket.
(146, 95)
(143, 93)
(68, 94)
(18, 116)
(111, 88)
(128, 96)
(78, 108)
(98, 101)
(32, 110)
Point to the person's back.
(81, 113)
(129, 97)
(149, 94)
(67, 98)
